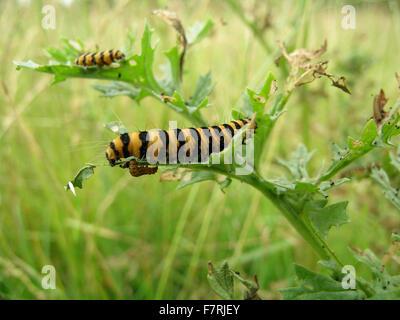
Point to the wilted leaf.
(83, 174)
(379, 114)
(341, 84)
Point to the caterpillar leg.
(137, 171)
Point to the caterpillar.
(99, 58)
(191, 145)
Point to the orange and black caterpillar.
(192, 145)
(99, 58)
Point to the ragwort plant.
(301, 197)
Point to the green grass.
(140, 238)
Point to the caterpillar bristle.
(191, 145)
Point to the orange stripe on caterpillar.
(99, 58)
(191, 145)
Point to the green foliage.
(83, 174)
(222, 282)
(301, 198)
(392, 194)
(315, 286)
(383, 285)
(324, 217)
(140, 78)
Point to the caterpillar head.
(114, 151)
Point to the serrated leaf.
(127, 48)
(383, 284)
(298, 165)
(144, 62)
(314, 286)
(221, 280)
(83, 174)
(392, 194)
(324, 218)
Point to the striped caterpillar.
(191, 145)
(99, 58)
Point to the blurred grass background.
(139, 238)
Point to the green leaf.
(221, 280)
(383, 284)
(395, 237)
(171, 81)
(298, 165)
(252, 288)
(83, 174)
(117, 88)
(193, 177)
(198, 31)
(127, 48)
(392, 194)
(342, 157)
(395, 160)
(314, 286)
(143, 69)
(324, 218)
(203, 90)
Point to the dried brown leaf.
(341, 84)
(379, 114)
(172, 19)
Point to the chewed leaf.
(83, 174)
(324, 218)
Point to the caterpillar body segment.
(99, 58)
(190, 145)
